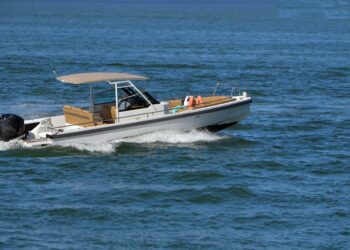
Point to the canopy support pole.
(91, 100)
(116, 103)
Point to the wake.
(14, 144)
(166, 137)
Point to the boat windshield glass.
(129, 98)
(105, 96)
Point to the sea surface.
(278, 180)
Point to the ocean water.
(278, 180)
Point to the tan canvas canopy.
(98, 77)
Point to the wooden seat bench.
(207, 102)
(81, 117)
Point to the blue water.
(278, 180)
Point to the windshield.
(129, 98)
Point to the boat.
(120, 109)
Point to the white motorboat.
(123, 110)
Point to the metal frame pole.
(91, 99)
(144, 97)
(116, 102)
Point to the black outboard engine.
(11, 127)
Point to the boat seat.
(78, 116)
(108, 113)
(174, 103)
(214, 100)
(113, 113)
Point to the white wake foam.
(14, 144)
(174, 137)
(105, 147)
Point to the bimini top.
(93, 77)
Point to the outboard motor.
(11, 127)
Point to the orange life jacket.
(199, 100)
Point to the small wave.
(342, 214)
(206, 198)
(198, 176)
(238, 191)
(174, 137)
(198, 195)
(157, 65)
(66, 212)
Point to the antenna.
(216, 86)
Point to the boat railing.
(169, 111)
(237, 88)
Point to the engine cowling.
(11, 127)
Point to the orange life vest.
(199, 100)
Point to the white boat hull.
(213, 118)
